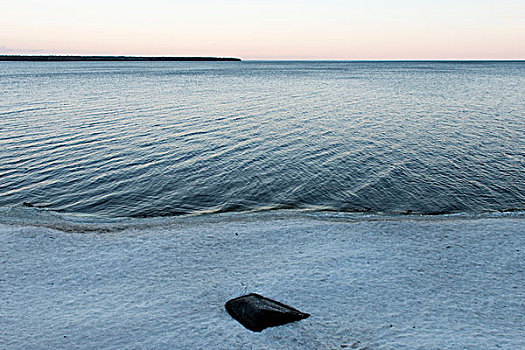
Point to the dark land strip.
(51, 58)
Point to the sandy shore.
(436, 283)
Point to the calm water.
(167, 138)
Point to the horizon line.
(64, 57)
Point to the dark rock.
(256, 312)
(27, 204)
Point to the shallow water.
(120, 139)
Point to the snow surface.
(368, 282)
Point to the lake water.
(148, 139)
(137, 198)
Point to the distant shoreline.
(59, 58)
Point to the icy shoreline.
(377, 284)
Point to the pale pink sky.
(286, 29)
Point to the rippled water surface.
(167, 138)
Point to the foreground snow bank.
(369, 283)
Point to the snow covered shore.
(369, 282)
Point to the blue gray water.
(138, 139)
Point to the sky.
(269, 29)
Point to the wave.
(23, 215)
